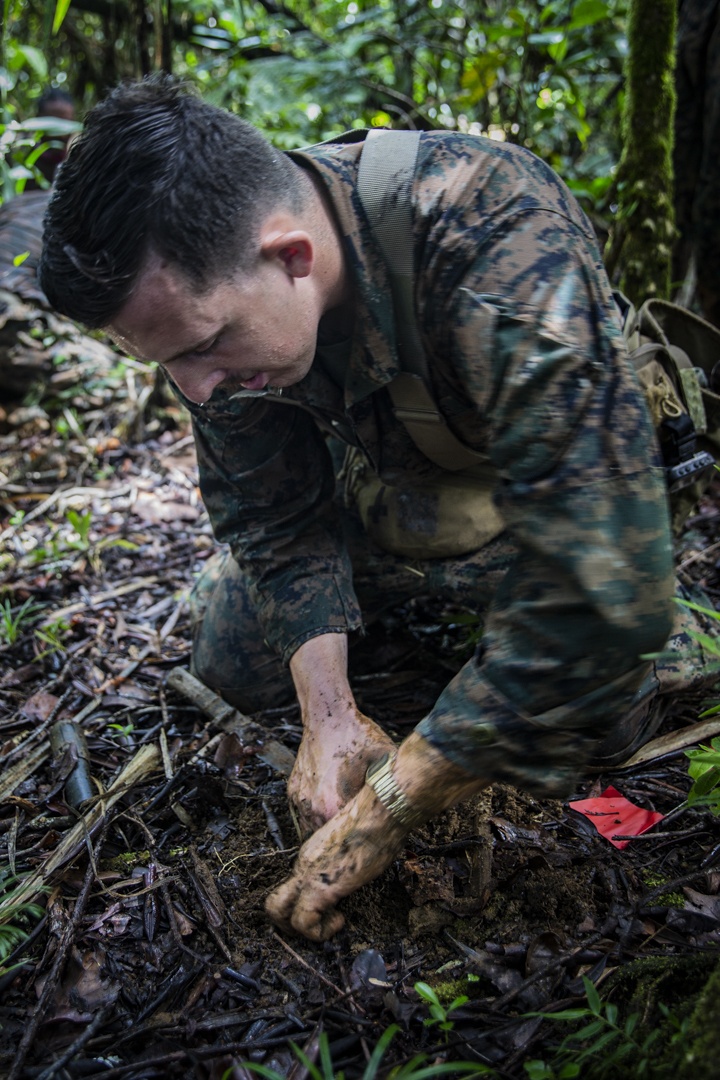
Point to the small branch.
(270, 751)
(60, 958)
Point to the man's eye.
(208, 347)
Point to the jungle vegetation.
(549, 74)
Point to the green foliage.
(13, 620)
(81, 524)
(52, 637)
(70, 539)
(704, 771)
(415, 1069)
(13, 913)
(21, 144)
(61, 10)
(709, 642)
(704, 768)
(24, 75)
(63, 542)
(546, 75)
(604, 1045)
(439, 1013)
(121, 731)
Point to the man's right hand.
(338, 742)
(363, 838)
(332, 760)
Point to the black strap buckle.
(683, 461)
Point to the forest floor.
(149, 833)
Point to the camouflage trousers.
(230, 655)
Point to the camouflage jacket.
(528, 366)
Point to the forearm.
(319, 671)
(475, 726)
(562, 651)
(338, 742)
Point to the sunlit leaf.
(61, 10)
(550, 37)
(33, 58)
(588, 13)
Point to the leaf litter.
(149, 823)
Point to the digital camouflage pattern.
(696, 158)
(231, 655)
(529, 367)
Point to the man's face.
(250, 332)
(63, 110)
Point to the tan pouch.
(673, 352)
(452, 516)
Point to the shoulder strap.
(385, 179)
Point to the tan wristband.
(381, 779)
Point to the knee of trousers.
(266, 685)
(229, 654)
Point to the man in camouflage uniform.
(696, 157)
(268, 305)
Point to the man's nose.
(195, 384)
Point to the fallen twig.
(99, 598)
(57, 496)
(270, 751)
(136, 770)
(559, 961)
(15, 774)
(153, 646)
(60, 958)
(93, 1027)
(710, 550)
(22, 747)
(309, 967)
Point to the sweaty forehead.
(160, 316)
(166, 316)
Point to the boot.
(684, 669)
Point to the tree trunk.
(644, 228)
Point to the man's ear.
(293, 249)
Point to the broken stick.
(272, 752)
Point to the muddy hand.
(363, 838)
(332, 760)
(350, 850)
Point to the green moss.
(645, 219)
(699, 1061)
(669, 899)
(450, 989)
(683, 985)
(128, 860)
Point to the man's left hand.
(362, 839)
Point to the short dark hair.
(51, 95)
(156, 169)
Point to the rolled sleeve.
(480, 730)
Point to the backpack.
(672, 351)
